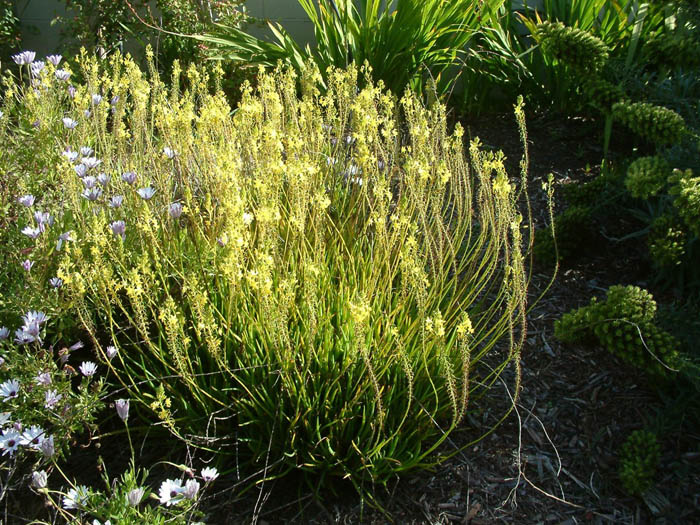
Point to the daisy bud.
(175, 210)
(122, 406)
(39, 479)
(135, 496)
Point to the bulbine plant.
(315, 282)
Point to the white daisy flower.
(75, 497)
(32, 437)
(171, 492)
(9, 389)
(88, 368)
(209, 474)
(9, 441)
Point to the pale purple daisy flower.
(71, 91)
(86, 151)
(27, 265)
(118, 228)
(169, 152)
(80, 170)
(209, 474)
(87, 113)
(116, 201)
(92, 194)
(129, 177)
(71, 155)
(175, 210)
(23, 337)
(4, 333)
(35, 316)
(69, 123)
(51, 398)
(36, 68)
(9, 441)
(171, 492)
(103, 179)
(96, 99)
(32, 233)
(30, 332)
(56, 282)
(91, 162)
(191, 489)
(44, 378)
(47, 447)
(89, 182)
(9, 389)
(122, 406)
(27, 200)
(32, 437)
(25, 57)
(114, 100)
(62, 74)
(54, 59)
(88, 368)
(146, 193)
(111, 351)
(64, 237)
(43, 219)
(76, 346)
(76, 497)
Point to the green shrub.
(657, 125)
(639, 460)
(300, 281)
(647, 176)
